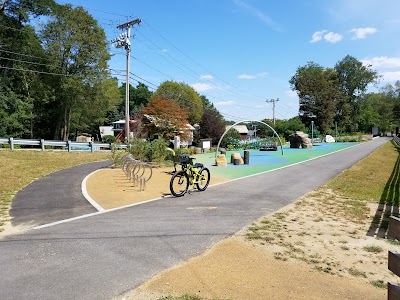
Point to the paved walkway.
(101, 256)
(53, 198)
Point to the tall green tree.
(282, 127)
(185, 96)
(22, 63)
(354, 78)
(319, 93)
(78, 48)
(139, 97)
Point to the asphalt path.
(53, 198)
(106, 254)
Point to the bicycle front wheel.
(204, 179)
(179, 184)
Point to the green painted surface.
(263, 161)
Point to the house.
(242, 129)
(105, 130)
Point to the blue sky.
(241, 53)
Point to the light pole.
(312, 132)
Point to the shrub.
(157, 151)
(140, 149)
(108, 139)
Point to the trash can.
(236, 161)
(246, 157)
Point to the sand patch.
(111, 188)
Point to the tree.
(78, 48)
(376, 110)
(14, 112)
(232, 137)
(165, 118)
(22, 57)
(139, 96)
(283, 128)
(185, 96)
(353, 78)
(212, 125)
(319, 93)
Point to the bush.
(108, 139)
(140, 149)
(157, 152)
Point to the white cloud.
(225, 103)
(252, 76)
(291, 94)
(332, 37)
(206, 77)
(361, 33)
(391, 76)
(388, 67)
(246, 76)
(201, 87)
(382, 62)
(317, 36)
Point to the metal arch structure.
(245, 121)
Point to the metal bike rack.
(137, 171)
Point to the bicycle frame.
(193, 172)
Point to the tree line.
(337, 99)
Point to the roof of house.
(241, 128)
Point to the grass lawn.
(21, 167)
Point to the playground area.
(263, 161)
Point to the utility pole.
(273, 107)
(124, 41)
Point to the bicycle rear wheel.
(179, 184)
(204, 179)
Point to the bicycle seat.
(198, 165)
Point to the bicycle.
(191, 174)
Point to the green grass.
(370, 178)
(379, 284)
(373, 249)
(21, 167)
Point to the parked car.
(268, 145)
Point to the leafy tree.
(319, 93)
(14, 112)
(185, 96)
(232, 137)
(78, 48)
(212, 125)
(165, 118)
(283, 128)
(353, 78)
(139, 96)
(22, 57)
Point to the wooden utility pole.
(124, 41)
(273, 107)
